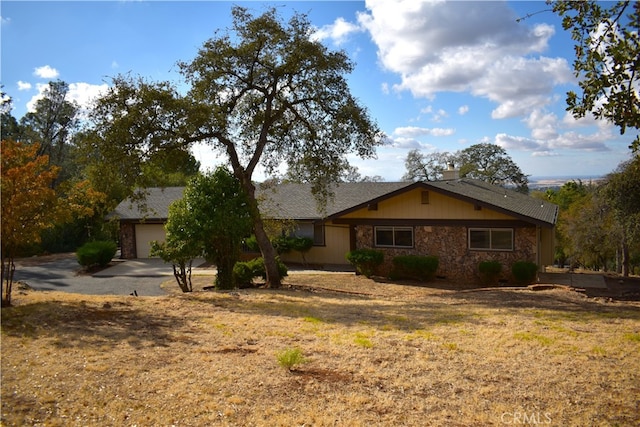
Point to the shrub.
(365, 260)
(417, 267)
(489, 272)
(98, 253)
(290, 358)
(244, 272)
(524, 272)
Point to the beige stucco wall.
(334, 251)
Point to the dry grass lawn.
(376, 354)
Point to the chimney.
(451, 172)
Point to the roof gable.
(479, 193)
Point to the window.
(401, 237)
(491, 239)
(311, 230)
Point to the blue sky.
(437, 76)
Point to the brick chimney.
(451, 172)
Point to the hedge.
(416, 267)
(525, 272)
(366, 261)
(97, 253)
(245, 272)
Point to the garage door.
(145, 234)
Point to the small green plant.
(313, 320)
(633, 337)
(451, 346)
(489, 272)
(366, 261)
(290, 358)
(363, 340)
(525, 272)
(530, 336)
(416, 267)
(98, 253)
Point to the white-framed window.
(491, 239)
(397, 237)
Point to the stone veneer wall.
(449, 244)
(127, 240)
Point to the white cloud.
(82, 93)
(414, 131)
(477, 47)
(338, 32)
(23, 85)
(463, 109)
(5, 21)
(46, 72)
(543, 126)
(546, 147)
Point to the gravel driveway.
(63, 273)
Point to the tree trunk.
(266, 248)
(6, 281)
(625, 258)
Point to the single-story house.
(461, 221)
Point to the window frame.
(393, 230)
(491, 247)
(311, 230)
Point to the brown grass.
(376, 354)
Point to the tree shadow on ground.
(78, 324)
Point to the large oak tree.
(262, 93)
(607, 63)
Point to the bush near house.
(525, 272)
(98, 253)
(416, 267)
(489, 272)
(245, 272)
(366, 261)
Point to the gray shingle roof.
(153, 206)
(499, 198)
(295, 201)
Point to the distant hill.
(553, 182)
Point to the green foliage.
(366, 261)
(218, 218)
(290, 358)
(607, 46)
(252, 243)
(491, 163)
(485, 162)
(97, 253)
(489, 272)
(263, 92)
(425, 167)
(245, 272)
(416, 267)
(525, 272)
